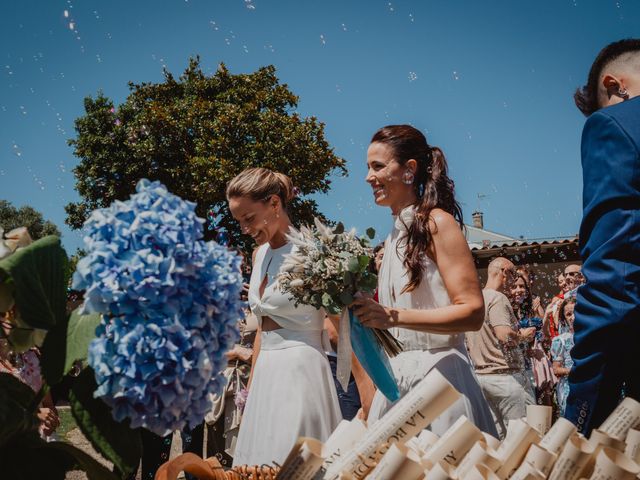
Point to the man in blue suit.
(606, 354)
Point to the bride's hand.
(371, 314)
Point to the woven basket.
(210, 469)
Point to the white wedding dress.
(424, 351)
(292, 392)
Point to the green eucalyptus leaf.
(353, 265)
(369, 283)
(371, 233)
(316, 300)
(346, 298)
(363, 262)
(339, 228)
(332, 288)
(347, 278)
(326, 300)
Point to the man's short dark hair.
(586, 97)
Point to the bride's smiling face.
(385, 177)
(256, 219)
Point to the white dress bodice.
(429, 294)
(280, 307)
(292, 392)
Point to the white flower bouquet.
(327, 269)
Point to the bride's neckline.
(404, 218)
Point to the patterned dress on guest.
(561, 352)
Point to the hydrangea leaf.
(116, 441)
(17, 408)
(53, 350)
(93, 469)
(37, 274)
(28, 456)
(80, 332)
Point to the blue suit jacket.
(607, 317)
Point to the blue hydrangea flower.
(170, 304)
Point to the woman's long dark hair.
(433, 188)
(525, 309)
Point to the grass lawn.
(67, 422)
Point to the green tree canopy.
(194, 134)
(25, 216)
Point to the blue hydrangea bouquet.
(170, 304)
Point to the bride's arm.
(451, 253)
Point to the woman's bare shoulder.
(441, 222)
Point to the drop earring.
(408, 177)
(623, 93)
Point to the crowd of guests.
(522, 352)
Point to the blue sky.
(490, 82)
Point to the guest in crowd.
(529, 276)
(607, 323)
(561, 351)
(572, 278)
(537, 363)
(378, 254)
(495, 350)
(561, 286)
(26, 368)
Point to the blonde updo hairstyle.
(260, 184)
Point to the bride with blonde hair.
(291, 389)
